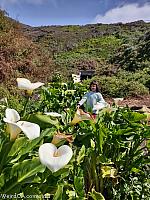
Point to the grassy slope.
(72, 45)
(119, 53)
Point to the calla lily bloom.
(54, 158)
(80, 115)
(61, 136)
(14, 126)
(53, 114)
(25, 84)
(76, 78)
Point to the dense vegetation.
(110, 154)
(118, 53)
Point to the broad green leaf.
(96, 195)
(21, 173)
(59, 192)
(81, 155)
(2, 180)
(92, 144)
(31, 144)
(64, 172)
(100, 133)
(134, 116)
(79, 185)
(4, 153)
(43, 121)
(19, 143)
(33, 192)
(26, 169)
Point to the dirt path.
(132, 102)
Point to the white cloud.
(126, 13)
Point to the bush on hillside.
(117, 87)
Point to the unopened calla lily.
(25, 84)
(80, 115)
(14, 126)
(61, 136)
(54, 158)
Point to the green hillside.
(118, 53)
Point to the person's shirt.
(93, 102)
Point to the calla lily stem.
(25, 106)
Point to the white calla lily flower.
(14, 126)
(54, 158)
(31, 130)
(13, 129)
(25, 84)
(53, 114)
(12, 115)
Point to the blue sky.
(62, 12)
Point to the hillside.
(19, 56)
(118, 53)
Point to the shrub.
(117, 87)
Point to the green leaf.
(135, 170)
(134, 116)
(2, 180)
(148, 144)
(29, 144)
(23, 172)
(19, 143)
(26, 169)
(4, 153)
(33, 192)
(64, 172)
(101, 135)
(81, 155)
(43, 121)
(59, 192)
(79, 185)
(96, 195)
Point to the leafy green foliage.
(109, 161)
(95, 195)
